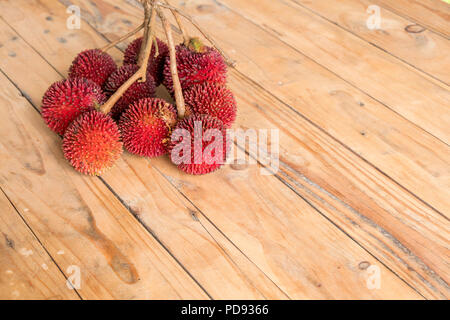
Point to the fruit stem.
(173, 65)
(148, 10)
(155, 43)
(180, 24)
(228, 60)
(147, 50)
(142, 72)
(123, 38)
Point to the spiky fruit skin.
(65, 100)
(92, 143)
(196, 67)
(213, 99)
(146, 127)
(155, 65)
(206, 162)
(94, 65)
(135, 92)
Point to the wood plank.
(77, 218)
(421, 48)
(27, 272)
(433, 14)
(375, 210)
(423, 102)
(224, 271)
(366, 126)
(299, 269)
(380, 136)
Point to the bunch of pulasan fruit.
(102, 108)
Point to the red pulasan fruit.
(155, 65)
(198, 144)
(94, 65)
(196, 63)
(137, 91)
(146, 127)
(65, 100)
(92, 143)
(213, 99)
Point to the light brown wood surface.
(27, 271)
(398, 36)
(357, 62)
(152, 201)
(77, 219)
(360, 183)
(432, 14)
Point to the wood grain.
(420, 100)
(26, 270)
(373, 203)
(245, 88)
(152, 199)
(375, 133)
(415, 45)
(433, 14)
(365, 126)
(281, 243)
(77, 218)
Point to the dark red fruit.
(196, 64)
(94, 65)
(198, 144)
(92, 143)
(213, 99)
(155, 65)
(146, 127)
(137, 91)
(65, 100)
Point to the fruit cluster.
(94, 137)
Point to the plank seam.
(95, 29)
(34, 234)
(28, 44)
(221, 232)
(418, 260)
(310, 121)
(342, 144)
(121, 200)
(418, 70)
(408, 17)
(325, 132)
(243, 75)
(151, 233)
(277, 178)
(354, 240)
(329, 70)
(383, 231)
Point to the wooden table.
(359, 207)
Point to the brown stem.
(149, 43)
(180, 24)
(228, 60)
(123, 38)
(173, 66)
(148, 7)
(142, 72)
(155, 43)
